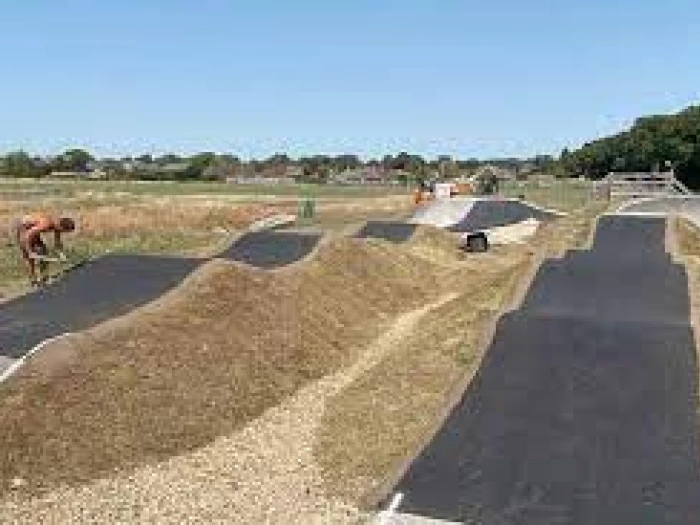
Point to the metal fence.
(644, 184)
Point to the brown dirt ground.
(379, 420)
(688, 237)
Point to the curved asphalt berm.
(115, 284)
(271, 249)
(104, 288)
(389, 231)
(491, 213)
(584, 410)
(457, 215)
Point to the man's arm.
(30, 238)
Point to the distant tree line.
(655, 142)
(212, 166)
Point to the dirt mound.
(436, 244)
(210, 356)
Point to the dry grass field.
(178, 219)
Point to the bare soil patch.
(383, 415)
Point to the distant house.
(490, 170)
(154, 170)
(95, 174)
(259, 180)
(293, 172)
(348, 176)
(246, 174)
(369, 175)
(525, 171)
(275, 174)
(171, 168)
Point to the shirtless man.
(28, 232)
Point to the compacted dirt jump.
(585, 407)
(113, 285)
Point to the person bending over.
(28, 232)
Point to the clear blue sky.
(461, 77)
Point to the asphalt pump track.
(116, 284)
(457, 215)
(584, 410)
(492, 213)
(392, 231)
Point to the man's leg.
(29, 264)
(40, 249)
(19, 238)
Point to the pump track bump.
(116, 284)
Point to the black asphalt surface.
(271, 249)
(115, 284)
(584, 410)
(389, 231)
(486, 214)
(104, 288)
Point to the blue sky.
(468, 78)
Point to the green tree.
(168, 158)
(652, 141)
(198, 164)
(21, 165)
(75, 160)
(146, 158)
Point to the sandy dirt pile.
(381, 417)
